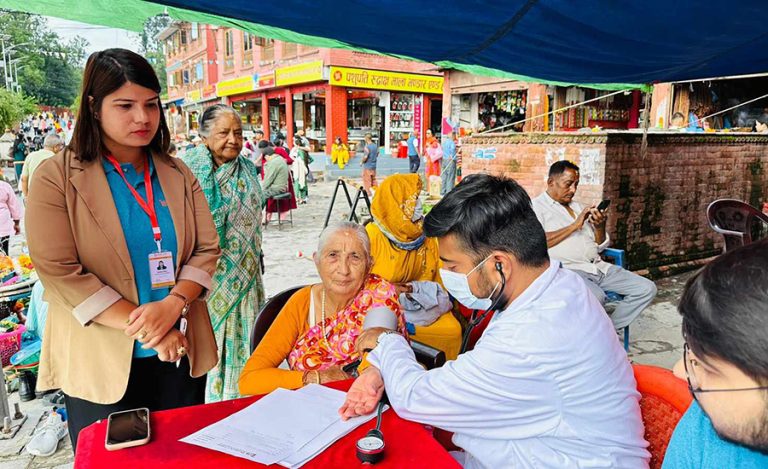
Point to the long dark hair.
(105, 72)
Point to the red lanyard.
(149, 205)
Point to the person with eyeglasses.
(725, 362)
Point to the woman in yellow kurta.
(402, 254)
(339, 153)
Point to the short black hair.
(559, 167)
(264, 144)
(488, 213)
(725, 310)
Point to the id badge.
(161, 271)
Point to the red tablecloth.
(408, 443)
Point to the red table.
(408, 444)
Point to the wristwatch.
(378, 339)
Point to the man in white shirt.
(547, 384)
(51, 145)
(576, 236)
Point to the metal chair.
(279, 199)
(738, 222)
(618, 258)
(429, 357)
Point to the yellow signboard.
(301, 73)
(237, 85)
(194, 96)
(381, 80)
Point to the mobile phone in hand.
(604, 205)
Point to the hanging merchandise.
(401, 117)
(500, 108)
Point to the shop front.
(242, 96)
(299, 102)
(388, 105)
(195, 103)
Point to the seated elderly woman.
(317, 328)
(405, 257)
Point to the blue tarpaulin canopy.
(589, 42)
(598, 41)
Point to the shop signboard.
(194, 96)
(381, 80)
(267, 80)
(237, 85)
(300, 73)
(209, 90)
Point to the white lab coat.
(547, 385)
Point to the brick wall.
(658, 209)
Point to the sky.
(98, 37)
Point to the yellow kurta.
(393, 208)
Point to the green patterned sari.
(234, 195)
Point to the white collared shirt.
(579, 250)
(547, 385)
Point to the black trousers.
(153, 384)
(414, 161)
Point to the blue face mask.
(458, 286)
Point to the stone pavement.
(655, 336)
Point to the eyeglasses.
(690, 365)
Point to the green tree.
(51, 68)
(152, 49)
(13, 108)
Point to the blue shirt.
(412, 146)
(373, 155)
(695, 444)
(449, 149)
(138, 230)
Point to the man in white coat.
(547, 384)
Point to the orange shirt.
(261, 374)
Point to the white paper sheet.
(332, 434)
(285, 427)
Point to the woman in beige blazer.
(115, 338)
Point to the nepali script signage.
(301, 73)
(381, 80)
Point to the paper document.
(335, 432)
(285, 427)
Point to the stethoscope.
(478, 317)
(370, 448)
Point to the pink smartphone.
(127, 429)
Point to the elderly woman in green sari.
(230, 182)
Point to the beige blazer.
(77, 245)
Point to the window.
(194, 33)
(290, 50)
(267, 49)
(185, 77)
(247, 42)
(199, 71)
(229, 46)
(183, 38)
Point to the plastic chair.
(428, 356)
(736, 221)
(618, 259)
(664, 399)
